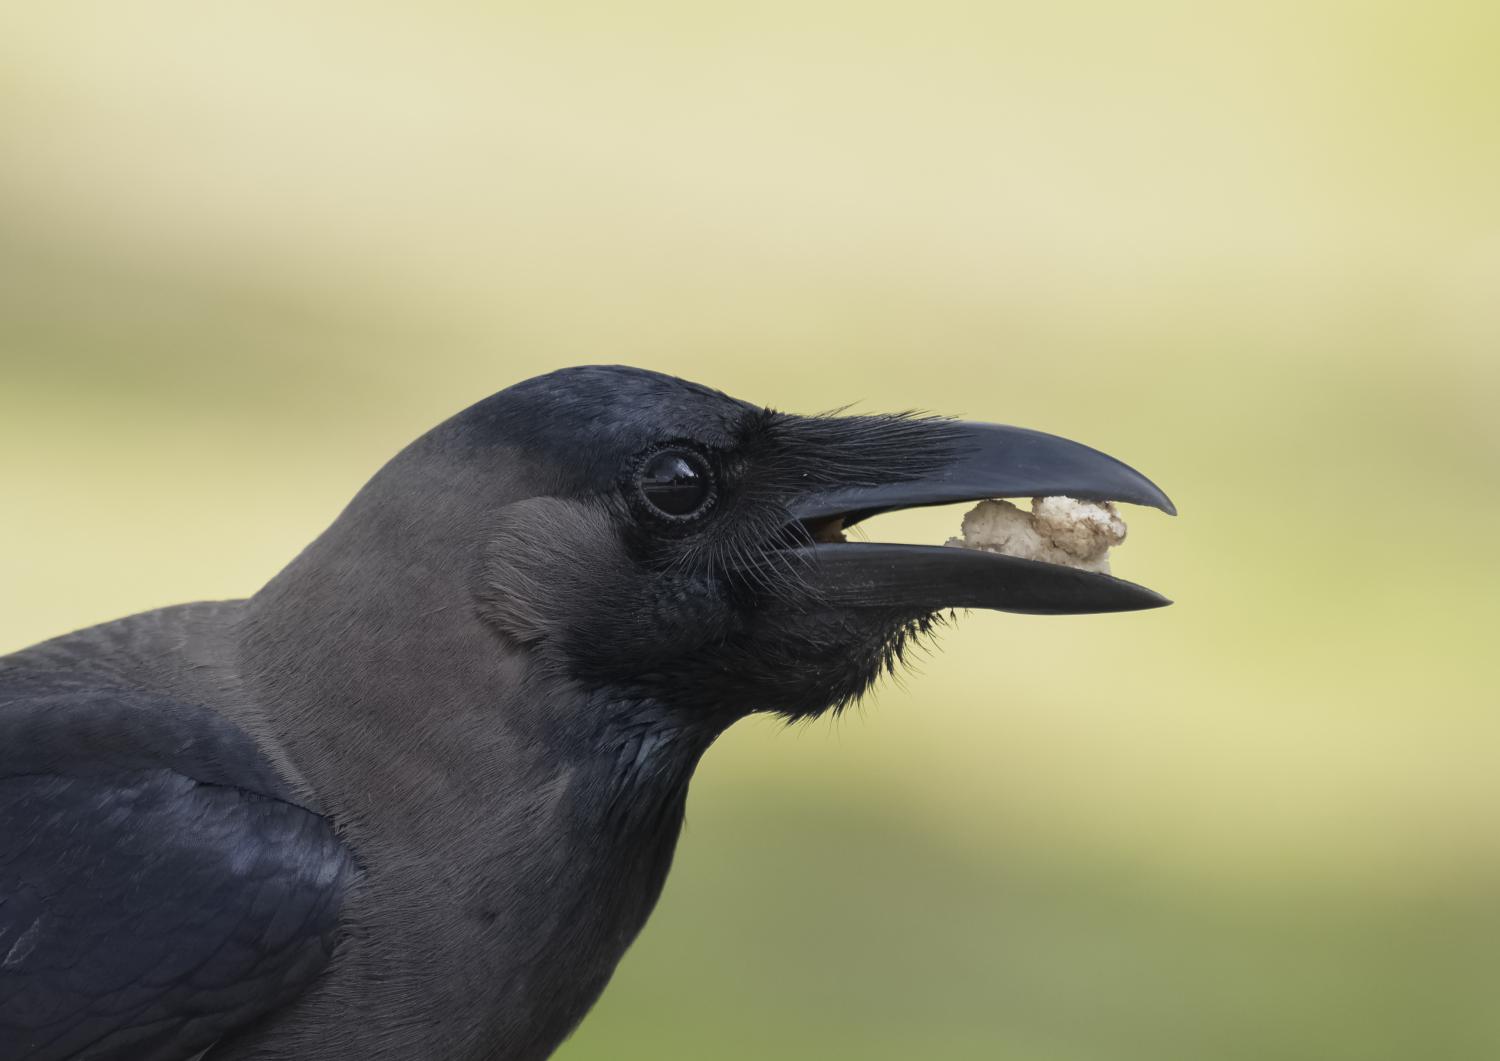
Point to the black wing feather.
(149, 904)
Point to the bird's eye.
(676, 483)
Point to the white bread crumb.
(1057, 530)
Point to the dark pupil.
(674, 484)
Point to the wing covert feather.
(148, 904)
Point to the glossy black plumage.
(157, 888)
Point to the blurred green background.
(248, 251)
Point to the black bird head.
(661, 540)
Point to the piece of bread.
(1057, 530)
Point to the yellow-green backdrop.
(249, 250)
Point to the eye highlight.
(676, 483)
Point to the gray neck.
(506, 818)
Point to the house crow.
(414, 799)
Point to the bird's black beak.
(985, 461)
